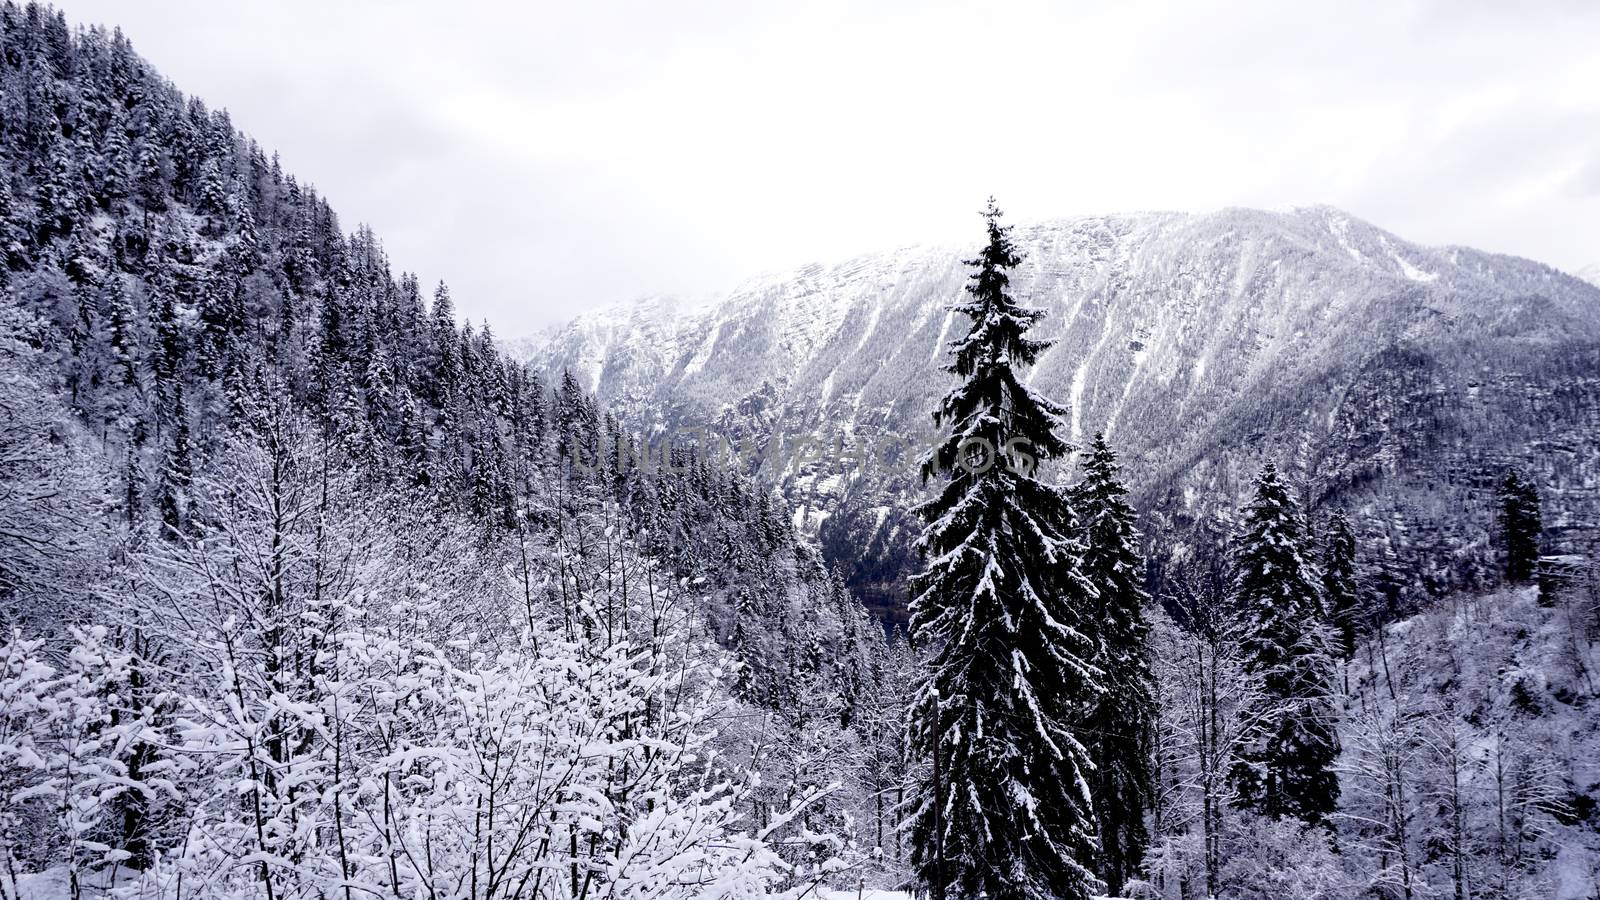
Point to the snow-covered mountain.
(1394, 379)
(1590, 273)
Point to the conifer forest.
(1161, 556)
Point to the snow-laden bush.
(357, 702)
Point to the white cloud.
(544, 158)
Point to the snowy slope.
(1590, 273)
(1515, 683)
(1201, 343)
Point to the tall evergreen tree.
(1520, 527)
(60, 194)
(14, 231)
(1005, 812)
(116, 162)
(213, 200)
(1285, 766)
(1341, 593)
(571, 436)
(1120, 727)
(163, 312)
(120, 311)
(177, 471)
(445, 347)
(150, 178)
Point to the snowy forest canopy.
(308, 589)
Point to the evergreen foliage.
(1120, 727)
(1341, 591)
(1005, 809)
(300, 572)
(1284, 768)
(1520, 527)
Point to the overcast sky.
(546, 158)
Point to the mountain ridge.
(1202, 343)
(683, 308)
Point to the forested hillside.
(1245, 556)
(297, 571)
(1468, 736)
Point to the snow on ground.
(874, 894)
(1340, 227)
(47, 885)
(1410, 271)
(704, 353)
(1075, 401)
(1482, 652)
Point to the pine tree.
(150, 177)
(14, 230)
(116, 162)
(213, 202)
(177, 474)
(60, 194)
(1120, 726)
(1005, 812)
(222, 321)
(133, 486)
(569, 414)
(1285, 766)
(1340, 591)
(163, 312)
(1520, 527)
(245, 254)
(143, 716)
(448, 384)
(445, 342)
(120, 311)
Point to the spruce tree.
(168, 358)
(150, 178)
(569, 416)
(1005, 810)
(1120, 727)
(213, 200)
(14, 230)
(1340, 591)
(1520, 527)
(116, 162)
(177, 472)
(124, 341)
(445, 349)
(1285, 765)
(60, 194)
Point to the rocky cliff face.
(1395, 381)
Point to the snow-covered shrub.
(358, 701)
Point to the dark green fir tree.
(1520, 527)
(1284, 768)
(1341, 592)
(1005, 811)
(177, 472)
(1120, 727)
